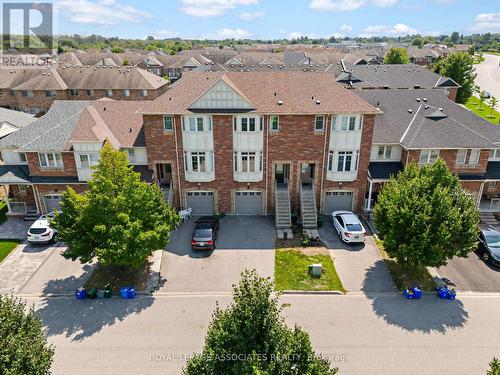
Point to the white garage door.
(201, 202)
(338, 201)
(52, 202)
(248, 203)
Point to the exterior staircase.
(168, 193)
(283, 214)
(489, 218)
(31, 214)
(308, 209)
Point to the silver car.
(348, 226)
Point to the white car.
(41, 232)
(348, 226)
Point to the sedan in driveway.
(205, 233)
(489, 245)
(41, 232)
(348, 226)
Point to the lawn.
(118, 277)
(483, 110)
(291, 270)
(403, 278)
(6, 246)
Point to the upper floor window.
(495, 153)
(248, 162)
(168, 123)
(144, 93)
(274, 123)
(131, 155)
(109, 93)
(473, 156)
(197, 124)
(126, 93)
(22, 157)
(73, 92)
(89, 92)
(428, 156)
(50, 160)
(247, 124)
(344, 123)
(343, 161)
(12, 93)
(50, 93)
(199, 162)
(27, 93)
(384, 152)
(319, 123)
(88, 160)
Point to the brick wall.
(44, 189)
(450, 158)
(69, 165)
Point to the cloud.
(445, 1)
(396, 30)
(346, 5)
(486, 22)
(250, 16)
(228, 34)
(345, 28)
(104, 12)
(212, 8)
(297, 35)
(165, 34)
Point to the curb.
(314, 292)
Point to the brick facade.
(450, 157)
(68, 169)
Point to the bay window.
(495, 153)
(248, 162)
(88, 160)
(197, 124)
(50, 160)
(346, 123)
(199, 162)
(428, 156)
(343, 161)
(384, 152)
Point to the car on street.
(348, 226)
(41, 232)
(205, 233)
(489, 245)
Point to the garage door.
(248, 203)
(52, 202)
(201, 202)
(338, 200)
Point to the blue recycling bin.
(124, 292)
(131, 292)
(81, 293)
(408, 294)
(417, 292)
(128, 292)
(443, 292)
(452, 294)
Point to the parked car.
(489, 245)
(205, 233)
(348, 226)
(41, 232)
(487, 94)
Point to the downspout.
(328, 126)
(177, 162)
(266, 134)
(37, 198)
(479, 196)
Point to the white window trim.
(126, 93)
(271, 123)
(207, 124)
(209, 162)
(461, 156)
(238, 124)
(473, 151)
(44, 157)
(92, 160)
(333, 161)
(428, 158)
(172, 122)
(323, 117)
(385, 149)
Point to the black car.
(489, 245)
(205, 233)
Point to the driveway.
(14, 229)
(488, 74)
(243, 242)
(471, 274)
(359, 266)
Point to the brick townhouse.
(34, 89)
(252, 143)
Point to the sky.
(272, 19)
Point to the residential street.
(364, 334)
(488, 74)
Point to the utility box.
(316, 269)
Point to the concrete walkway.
(14, 229)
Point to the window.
(88, 160)
(131, 155)
(319, 123)
(461, 156)
(495, 153)
(274, 123)
(144, 93)
(22, 157)
(50, 93)
(50, 160)
(248, 161)
(12, 93)
(344, 161)
(474, 156)
(28, 93)
(198, 162)
(247, 124)
(384, 152)
(492, 185)
(109, 93)
(126, 93)
(89, 92)
(22, 188)
(168, 123)
(428, 156)
(196, 124)
(73, 92)
(348, 123)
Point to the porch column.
(6, 197)
(370, 190)
(480, 194)
(37, 197)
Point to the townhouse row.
(255, 144)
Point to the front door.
(282, 173)
(307, 173)
(164, 174)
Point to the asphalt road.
(362, 334)
(488, 74)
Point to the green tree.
(482, 98)
(494, 367)
(493, 103)
(397, 56)
(459, 66)
(119, 219)
(425, 217)
(126, 62)
(250, 337)
(23, 347)
(117, 49)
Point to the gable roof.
(427, 119)
(223, 94)
(269, 93)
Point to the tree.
(23, 347)
(459, 66)
(250, 337)
(494, 367)
(397, 56)
(493, 104)
(477, 90)
(455, 37)
(425, 217)
(126, 62)
(482, 98)
(119, 219)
